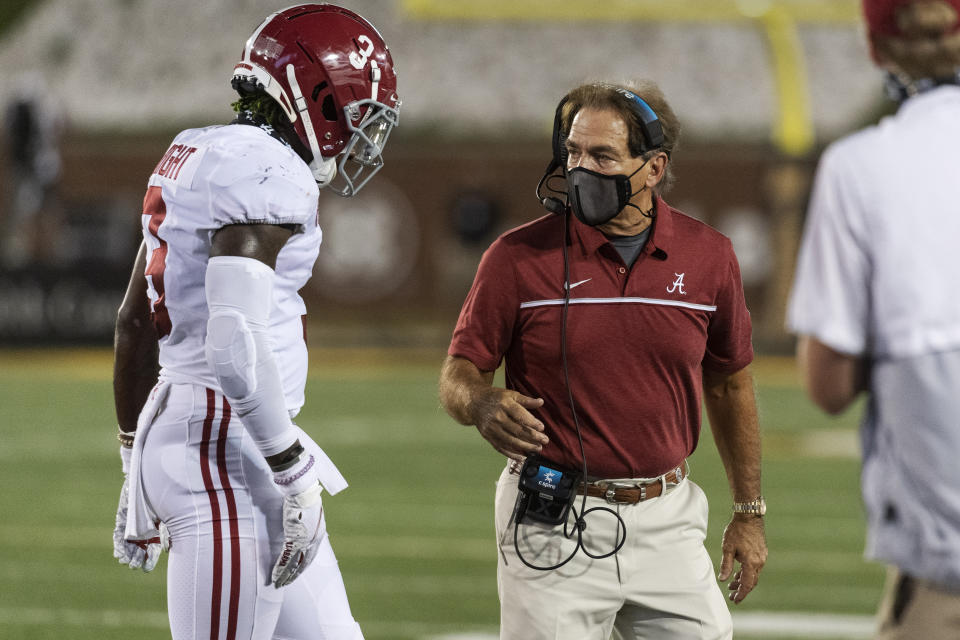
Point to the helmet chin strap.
(324, 169)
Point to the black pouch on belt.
(546, 491)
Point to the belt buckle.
(681, 472)
(610, 490)
(678, 476)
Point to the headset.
(551, 503)
(650, 127)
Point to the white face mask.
(597, 198)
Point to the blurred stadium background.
(92, 92)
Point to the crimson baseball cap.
(881, 15)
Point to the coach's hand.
(744, 541)
(503, 418)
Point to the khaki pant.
(913, 609)
(661, 584)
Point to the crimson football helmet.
(333, 76)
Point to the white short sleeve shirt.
(878, 271)
(878, 276)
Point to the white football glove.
(136, 554)
(304, 526)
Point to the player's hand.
(136, 554)
(304, 528)
(503, 418)
(744, 541)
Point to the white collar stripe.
(653, 301)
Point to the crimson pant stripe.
(217, 585)
(232, 519)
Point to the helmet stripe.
(323, 169)
(256, 34)
(300, 104)
(375, 77)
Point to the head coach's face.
(604, 138)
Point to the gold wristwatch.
(756, 507)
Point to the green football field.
(414, 533)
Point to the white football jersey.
(210, 178)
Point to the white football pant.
(206, 480)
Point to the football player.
(210, 356)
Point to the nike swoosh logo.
(577, 284)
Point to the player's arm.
(229, 281)
(135, 371)
(135, 365)
(239, 290)
(731, 407)
(501, 416)
(832, 379)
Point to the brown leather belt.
(629, 491)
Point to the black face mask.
(597, 198)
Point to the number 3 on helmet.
(333, 76)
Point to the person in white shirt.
(210, 353)
(875, 307)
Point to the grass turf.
(413, 534)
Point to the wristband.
(291, 459)
(126, 455)
(125, 438)
(299, 477)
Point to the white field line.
(759, 624)
(829, 443)
(753, 624)
(103, 618)
(803, 625)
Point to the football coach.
(614, 315)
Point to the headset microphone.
(551, 204)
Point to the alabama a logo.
(677, 285)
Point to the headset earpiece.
(557, 161)
(559, 149)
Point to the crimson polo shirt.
(637, 338)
